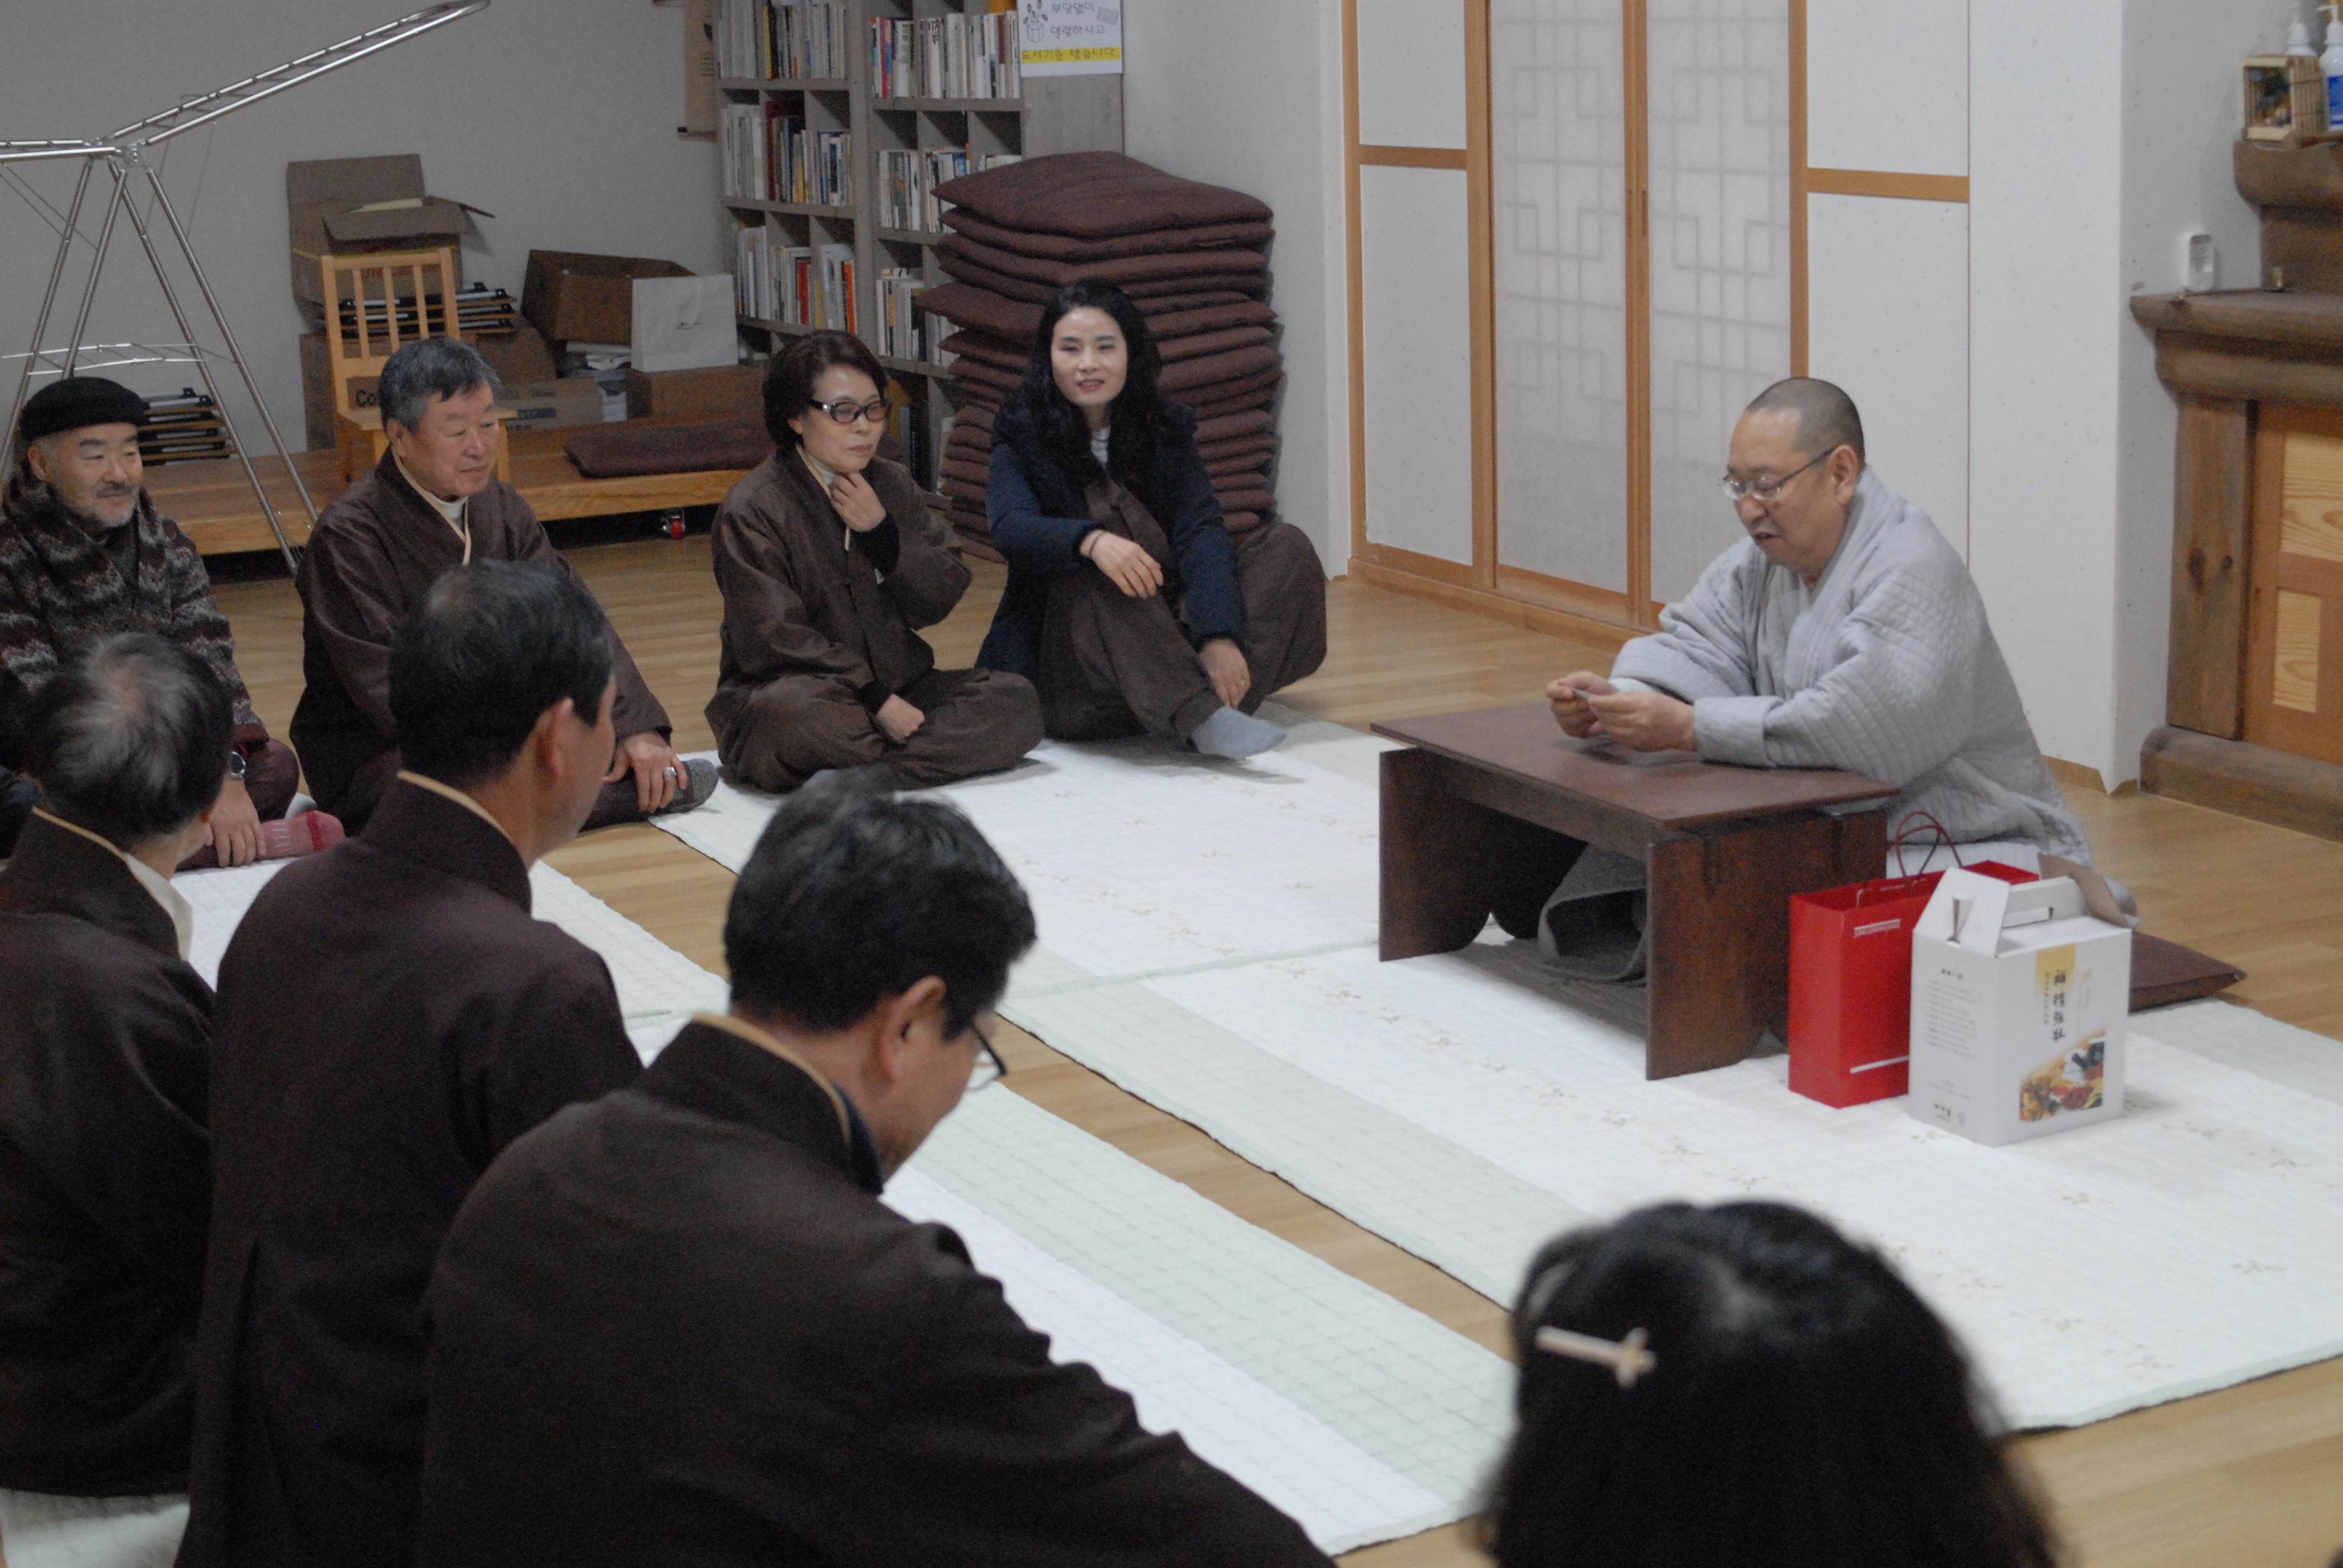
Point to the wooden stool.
(1491, 809)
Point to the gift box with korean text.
(2019, 1001)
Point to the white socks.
(1228, 733)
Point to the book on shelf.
(769, 155)
(781, 40)
(901, 322)
(945, 57)
(907, 179)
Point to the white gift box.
(2019, 1001)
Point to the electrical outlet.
(2200, 266)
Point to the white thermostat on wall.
(2199, 267)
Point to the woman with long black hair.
(1128, 604)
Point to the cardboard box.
(721, 392)
(550, 404)
(2020, 999)
(522, 357)
(575, 297)
(364, 207)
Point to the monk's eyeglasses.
(990, 1068)
(1767, 490)
(845, 411)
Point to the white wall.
(2180, 118)
(1248, 94)
(558, 115)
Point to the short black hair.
(131, 739)
(852, 896)
(789, 376)
(1804, 1409)
(1827, 416)
(492, 647)
(426, 368)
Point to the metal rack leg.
(49, 300)
(97, 266)
(236, 356)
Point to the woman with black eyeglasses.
(830, 563)
(1129, 604)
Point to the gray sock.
(1228, 733)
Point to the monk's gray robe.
(1884, 668)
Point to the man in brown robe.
(830, 563)
(104, 1032)
(432, 504)
(678, 1325)
(390, 1018)
(84, 556)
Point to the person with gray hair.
(435, 503)
(84, 557)
(105, 1051)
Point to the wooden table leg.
(1720, 930)
(1447, 864)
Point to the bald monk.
(1844, 632)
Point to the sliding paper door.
(1720, 266)
(1558, 159)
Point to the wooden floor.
(2250, 1476)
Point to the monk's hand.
(657, 770)
(897, 720)
(858, 503)
(1126, 565)
(1644, 721)
(1568, 698)
(236, 825)
(1224, 667)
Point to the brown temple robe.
(390, 1018)
(1112, 665)
(104, 1174)
(678, 1326)
(819, 630)
(375, 554)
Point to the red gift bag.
(1851, 981)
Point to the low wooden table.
(1489, 808)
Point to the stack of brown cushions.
(1192, 257)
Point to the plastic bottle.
(2330, 64)
(2297, 40)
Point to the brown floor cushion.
(1207, 375)
(1095, 196)
(1193, 346)
(1245, 286)
(1230, 427)
(1016, 320)
(1063, 248)
(1127, 273)
(638, 447)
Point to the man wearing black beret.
(84, 556)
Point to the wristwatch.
(235, 763)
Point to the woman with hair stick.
(1128, 604)
(1742, 1384)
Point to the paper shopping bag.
(1851, 985)
(684, 323)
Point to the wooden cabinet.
(2293, 642)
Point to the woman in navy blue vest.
(1129, 606)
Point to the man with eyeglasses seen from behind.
(1844, 632)
(830, 563)
(678, 1325)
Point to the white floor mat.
(1361, 1417)
(38, 1531)
(1461, 1106)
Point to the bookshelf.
(1050, 115)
